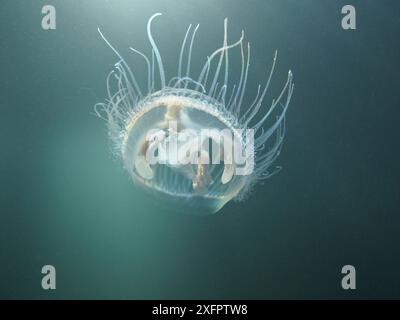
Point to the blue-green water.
(67, 202)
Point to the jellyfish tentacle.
(182, 51)
(274, 104)
(155, 48)
(137, 88)
(226, 67)
(205, 72)
(190, 51)
(152, 70)
(123, 77)
(241, 75)
(231, 97)
(212, 56)
(187, 80)
(148, 67)
(244, 82)
(257, 106)
(225, 44)
(251, 106)
(221, 94)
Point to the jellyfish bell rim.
(197, 205)
(186, 99)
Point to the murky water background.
(65, 201)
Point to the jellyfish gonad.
(149, 119)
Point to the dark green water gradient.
(66, 202)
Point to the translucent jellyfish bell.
(193, 142)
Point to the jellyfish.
(194, 140)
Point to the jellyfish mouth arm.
(202, 179)
(229, 166)
(143, 168)
(200, 176)
(173, 113)
(141, 165)
(148, 148)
